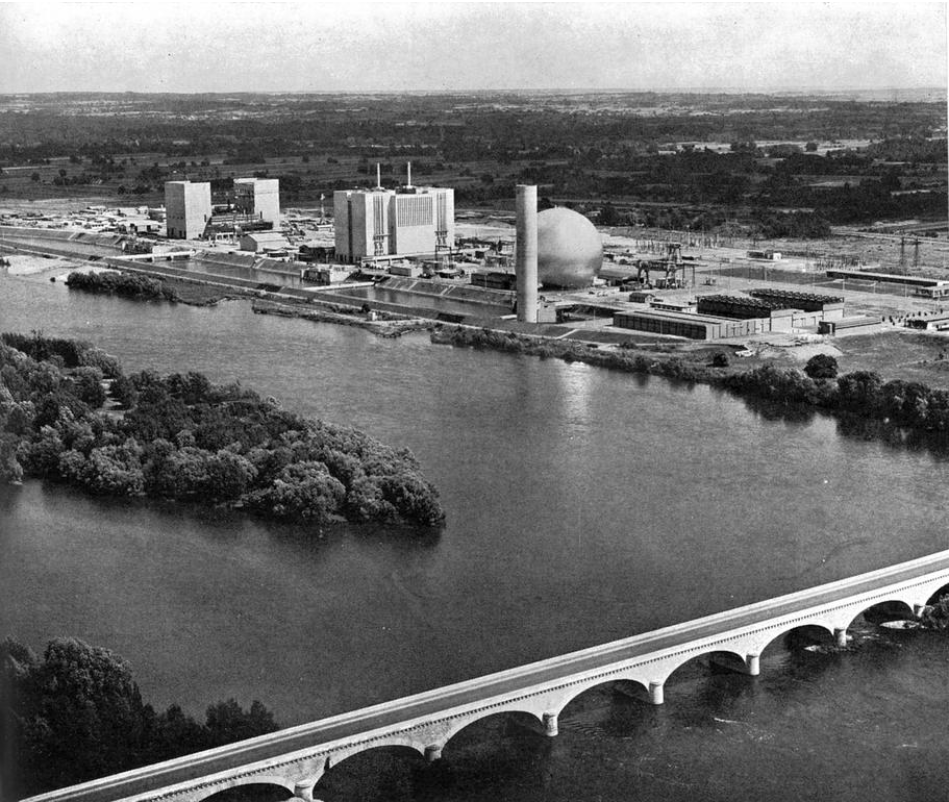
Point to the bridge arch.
(628, 684)
(529, 718)
(797, 636)
(888, 610)
(937, 594)
(225, 789)
(729, 659)
(377, 764)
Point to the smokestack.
(378, 176)
(408, 180)
(525, 265)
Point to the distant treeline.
(76, 714)
(504, 126)
(576, 148)
(141, 288)
(181, 437)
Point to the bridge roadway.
(142, 783)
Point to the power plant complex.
(387, 244)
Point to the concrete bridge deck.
(296, 758)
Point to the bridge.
(296, 758)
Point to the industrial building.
(808, 301)
(721, 316)
(187, 209)
(190, 214)
(265, 242)
(258, 198)
(684, 324)
(378, 223)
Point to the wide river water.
(583, 506)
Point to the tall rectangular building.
(187, 209)
(361, 223)
(384, 222)
(258, 197)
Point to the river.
(583, 506)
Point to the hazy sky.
(356, 46)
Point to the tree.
(35, 177)
(82, 715)
(609, 216)
(227, 722)
(77, 714)
(821, 366)
(860, 391)
(304, 491)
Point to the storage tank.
(569, 249)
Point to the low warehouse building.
(264, 242)
(684, 324)
(836, 326)
(939, 322)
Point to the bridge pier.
(655, 693)
(304, 791)
(840, 637)
(550, 724)
(433, 753)
(753, 661)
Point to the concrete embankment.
(382, 328)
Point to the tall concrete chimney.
(525, 265)
(408, 178)
(378, 176)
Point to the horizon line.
(723, 90)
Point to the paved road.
(474, 691)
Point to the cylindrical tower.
(525, 265)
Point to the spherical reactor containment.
(569, 249)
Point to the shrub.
(821, 366)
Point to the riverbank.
(381, 324)
(861, 394)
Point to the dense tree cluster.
(126, 285)
(180, 437)
(77, 714)
(862, 393)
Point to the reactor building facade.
(379, 223)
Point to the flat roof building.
(378, 222)
(264, 241)
(187, 209)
